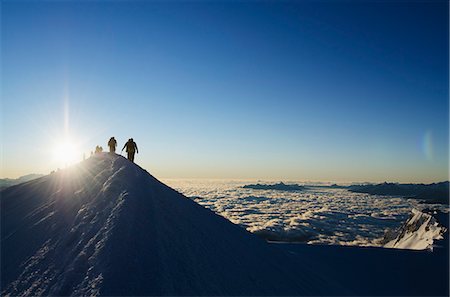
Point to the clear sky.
(296, 90)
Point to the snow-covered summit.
(418, 233)
(106, 226)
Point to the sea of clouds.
(316, 215)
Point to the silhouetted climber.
(131, 149)
(112, 143)
(98, 149)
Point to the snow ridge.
(107, 227)
(418, 233)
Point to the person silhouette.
(98, 149)
(131, 148)
(112, 143)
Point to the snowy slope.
(374, 271)
(418, 233)
(108, 227)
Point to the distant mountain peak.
(8, 182)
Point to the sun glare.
(66, 153)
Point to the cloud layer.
(315, 216)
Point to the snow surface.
(107, 227)
(370, 271)
(418, 233)
(317, 215)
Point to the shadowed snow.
(108, 227)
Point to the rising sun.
(66, 152)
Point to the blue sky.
(299, 90)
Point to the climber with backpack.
(131, 148)
(112, 143)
